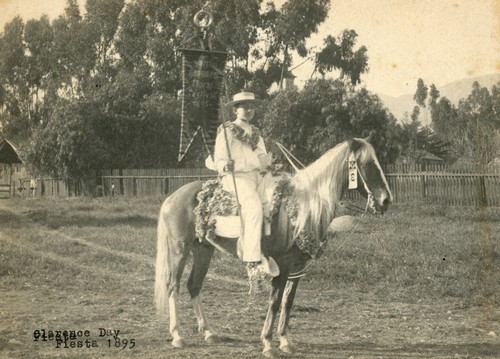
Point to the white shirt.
(245, 159)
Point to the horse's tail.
(162, 268)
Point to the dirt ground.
(100, 300)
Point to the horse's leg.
(173, 284)
(278, 285)
(286, 307)
(173, 247)
(202, 255)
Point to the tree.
(339, 54)
(131, 43)
(478, 120)
(433, 96)
(472, 127)
(408, 136)
(416, 141)
(38, 36)
(15, 89)
(101, 21)
(297, 21)
(324, 113)
(444, 118)
(421, 94)
(420, 98)
(71, 144)
(119, 60)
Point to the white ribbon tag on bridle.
(353, 172)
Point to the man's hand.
(229, 167)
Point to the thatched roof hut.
(8, 152)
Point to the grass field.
(422, 281)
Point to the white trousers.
(251, 211)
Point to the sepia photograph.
(250, 179)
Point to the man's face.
(245, 111)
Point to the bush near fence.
(464, 185)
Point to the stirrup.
(270, 266)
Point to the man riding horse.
(239, 157)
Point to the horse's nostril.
(386, 202)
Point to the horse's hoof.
(287, 349)
(178, 343)
(271, 353)
(213, 339)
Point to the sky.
(440, 41)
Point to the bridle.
(369, 196)
(353, 173)
(352, 165)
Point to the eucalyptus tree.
(479, 125)
(339, 54)
(15, 88)
(120, 60)
(433, 96)
(25, 53)
(421, 93)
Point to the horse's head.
(371, 180)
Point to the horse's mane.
(319, 186)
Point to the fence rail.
(458, 168)
(146, 185)
(5, 190)
(446, 188)
(49, 187)
(410, 184)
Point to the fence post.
(483, 202)
(424, 186)
(121, 182)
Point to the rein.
(369, 198)
(289, 156)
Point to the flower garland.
(240, 134)
(212, 199)
(282, 192)
(306, 242)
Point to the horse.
(316, 189)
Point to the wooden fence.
(446, 188)
(460, 184)
(432, 184)
(149, 182)
(459, 168)
(5, 190)
(48, 187)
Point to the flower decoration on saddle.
(212, 200)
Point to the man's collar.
(241, 122)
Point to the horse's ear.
(369, 137)
(355, 145)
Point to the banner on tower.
(202, 77)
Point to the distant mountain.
(453, 91)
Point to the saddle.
(217, 216)
(217, 210)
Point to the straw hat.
(242, 97)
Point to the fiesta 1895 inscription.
(84, 338)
